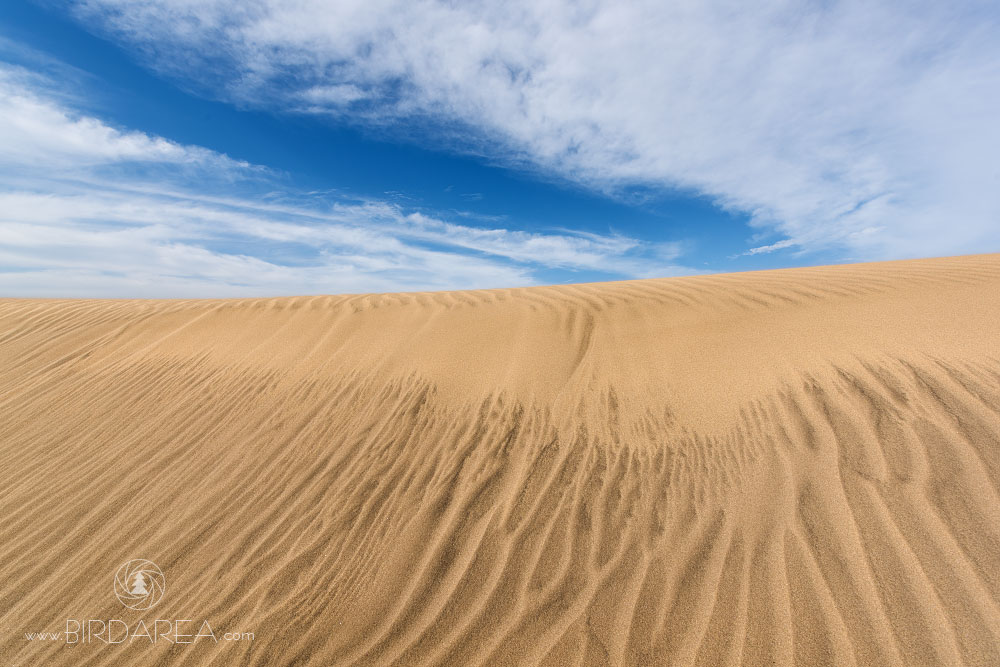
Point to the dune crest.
(781, 467)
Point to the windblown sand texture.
(797, 466)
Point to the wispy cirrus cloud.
(864, 126)
(88, 209)
(40, 132)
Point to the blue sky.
(222, 148)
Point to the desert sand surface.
(783, 467)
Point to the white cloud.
(864, 125)
(38, 132)
(87, 209)
(320, 98)
(780, 245)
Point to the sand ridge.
(797, 466)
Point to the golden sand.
(797, 466)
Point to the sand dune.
(797, 466)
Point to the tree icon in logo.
(139, 584)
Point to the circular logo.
(139, 584)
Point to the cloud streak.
(38, 132)
(864, 126)
(88, 209)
